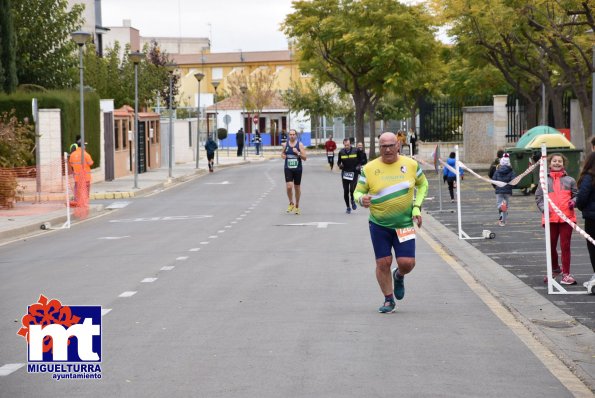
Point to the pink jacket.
(562, 190)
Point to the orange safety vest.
(81, 174)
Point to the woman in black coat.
(585, 202)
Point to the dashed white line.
(127, 294)
(167, 268)
(234, 222)
(182, 258)
(213, 237)
(9, 368)
(105, 311)
(204, 243)
(195, 249)
(221, 231)
(148, 280)
(227, 226)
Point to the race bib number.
(405, 234)
(292, 163)
(348, 175)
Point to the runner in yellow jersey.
(393, 187)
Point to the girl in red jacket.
(562, 191)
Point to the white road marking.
(127, 294)
(213, 237)
(105, 311)
(221, 231)
(234, 222)
(182, 258)
(227, 226)
(114, 237)
(118, 205)
(320, 224)
(204, 243)
(9, 368)
(166, 218)
(148, 280)
(218, 183)
(195, 249)
(167, 268)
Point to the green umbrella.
(534, 132)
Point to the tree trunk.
(360, 110)
(372, 124)
(556, 96)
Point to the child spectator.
(562, 191)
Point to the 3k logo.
(49, 328)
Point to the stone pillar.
(50, 151)
(500, 122)
(478, 134)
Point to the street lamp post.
(244, 90)
(199, 77)
(80, 38)
(136, 57)
(215, 85)
(170, 68)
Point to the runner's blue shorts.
(384, 239)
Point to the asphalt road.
(520, 245)
(234, 298)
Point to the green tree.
(46, 54)
(160, 75)
(259, 89)
(531, 43)
(364, 47)
(8, 71)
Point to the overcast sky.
(250, 25)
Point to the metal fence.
(442, 119)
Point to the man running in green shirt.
(393, 187)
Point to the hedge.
(68, 101)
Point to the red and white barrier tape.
(542, 176)
(513, 182)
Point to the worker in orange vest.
(82, 175)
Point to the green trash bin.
(519, 161)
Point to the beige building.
(220, 66)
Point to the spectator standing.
(240, 137)
(562, 192)
(257, 141)
(585, 201)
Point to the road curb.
(53, 219)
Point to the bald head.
(389, 147)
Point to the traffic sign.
(255, 119)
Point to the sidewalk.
(15, 224)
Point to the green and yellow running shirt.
(392, 188)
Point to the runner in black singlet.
(293, 153)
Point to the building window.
(216, 73)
